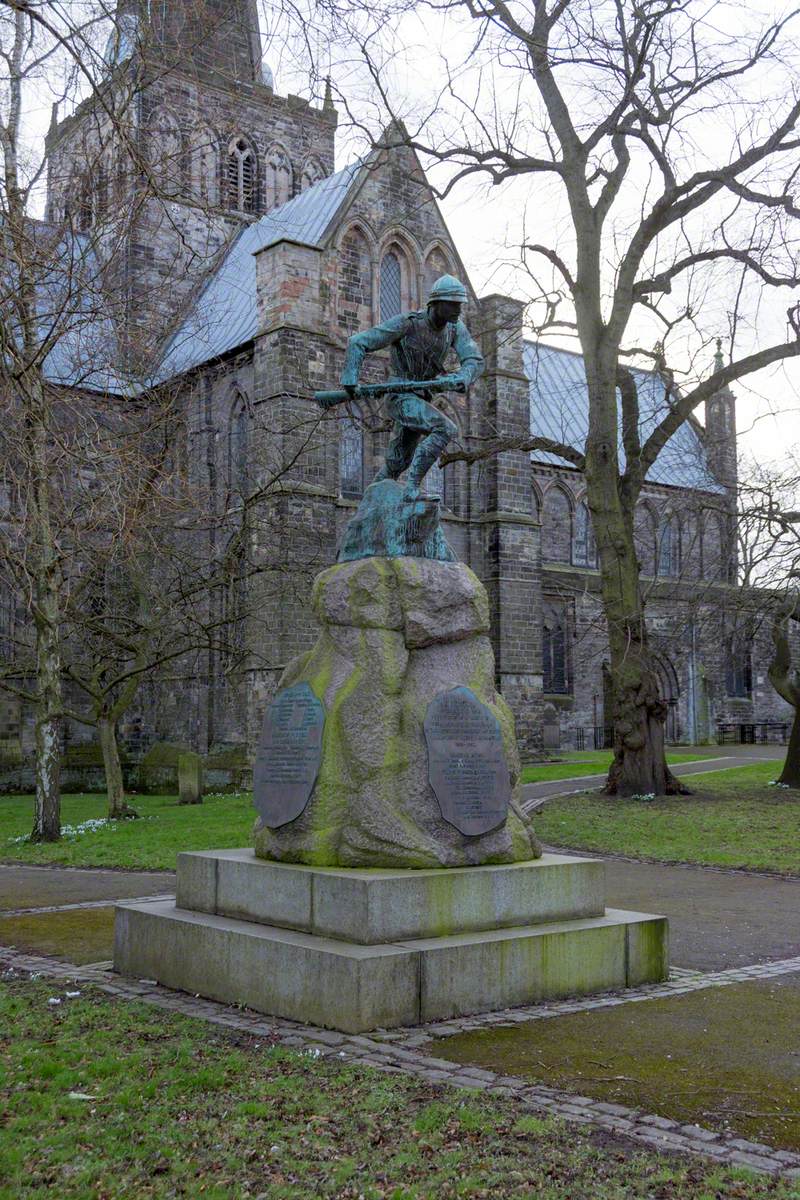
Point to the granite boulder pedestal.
(395, 878)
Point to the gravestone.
(190, 778)
(467, 766)
(289, 755)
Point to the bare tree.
(665, 136)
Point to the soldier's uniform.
(418, 351)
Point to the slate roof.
(225, 315)
(70, 301)
(559, 405)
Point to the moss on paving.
(733, 819)
(111, 1099)
(725, 1057)
(79, 935)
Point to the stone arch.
(355, 263)
(536, 501)
(669, 690)
(399, 244)
(311, 172)
(279, 177)
(166, 150)
(438, 262)
(557, 508)
(242, 175)
(204, 164)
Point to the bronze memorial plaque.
(467, 766)
(289, 754)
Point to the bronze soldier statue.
(420, 344)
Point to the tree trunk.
(49, 702)
(791, 768)
(638, 713)
(780, 676)
(118, 808)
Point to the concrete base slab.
(370, 907)
(355, 987)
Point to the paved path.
(718, 919)
(28, 887)
(533, 792)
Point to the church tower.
(200, 146)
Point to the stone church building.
(242, 281)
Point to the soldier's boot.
(425, 456)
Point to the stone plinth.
(356, 950)
(397, 633)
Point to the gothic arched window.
(242, 176)
(166, 151)
(669, 547)
(311, 173)
(391, 285)
(279, 179)
(584, 551)
(644, 538)
(556, 526)
(354, 310)
(351, 457)
(239, 449)
(436, 265)
(205, 165)
(555, 672)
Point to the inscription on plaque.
(289, 754)
(467, 766)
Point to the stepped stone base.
(361, 949)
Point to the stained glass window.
(391, 286)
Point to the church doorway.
(670, 692)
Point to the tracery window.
(241, 176)
(391, 285)
(584, 550)
(351, 457)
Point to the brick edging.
(655, 1132)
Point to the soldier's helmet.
(448, 288)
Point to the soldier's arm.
(364, 343)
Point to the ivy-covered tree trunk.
(787, 685)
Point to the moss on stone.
(690, 1058)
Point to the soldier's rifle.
(400, 387)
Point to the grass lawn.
(596, 762)
(107, 1100)
(165, 827)
(733, 819)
